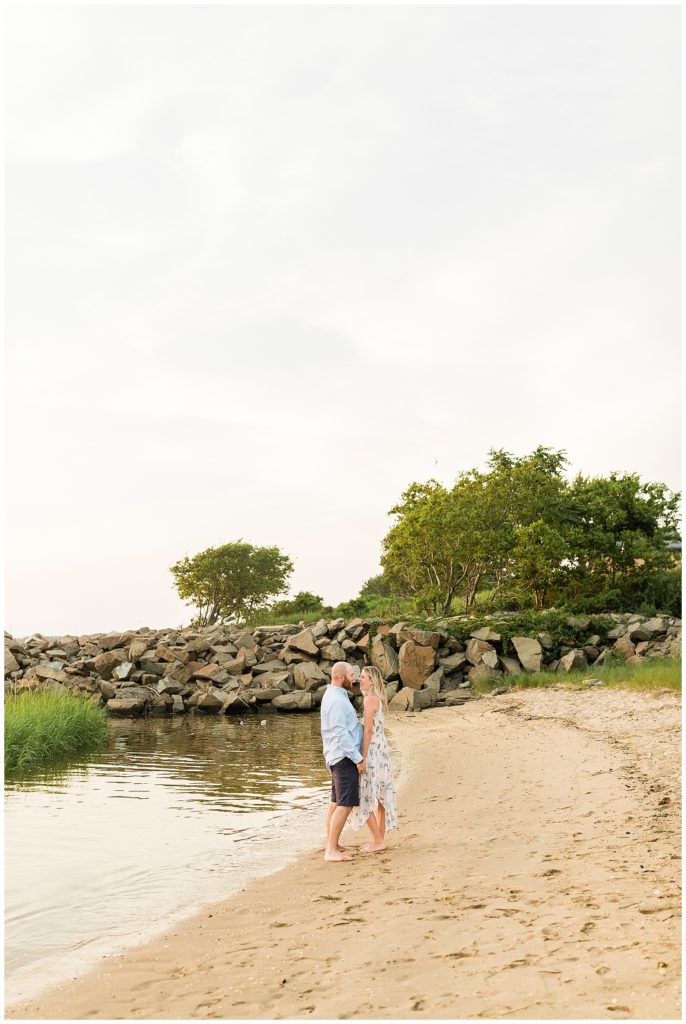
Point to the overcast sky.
(267, 266)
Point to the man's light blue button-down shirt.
(341, 731)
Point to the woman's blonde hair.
(379, 686)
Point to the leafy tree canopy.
(531, 537)
(376, 586)
(227, 583)
(304, 601)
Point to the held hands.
(362, 766)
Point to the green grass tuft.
(653, 674)
(43, 726)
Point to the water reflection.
(175, 812)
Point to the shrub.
(43, 726)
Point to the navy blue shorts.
(345, 783)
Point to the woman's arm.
(371, 705)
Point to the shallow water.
(174, 813)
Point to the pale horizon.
(268, 266)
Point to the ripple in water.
(175, 813)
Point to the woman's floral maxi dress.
(376, 783)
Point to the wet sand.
(535, 874)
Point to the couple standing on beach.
(357, 757)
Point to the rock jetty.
(226, 670)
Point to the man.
(342, 739)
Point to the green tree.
(446, 543)
(526, 516)
(538, 561)
(302, 602)
(227, 583)
(429, 552)
(376, 586)
(620, 536)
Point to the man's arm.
(339, 728)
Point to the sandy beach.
(535, 874)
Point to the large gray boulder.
(529, 652)
(126, 706)
(260, 695)
(476, 650)
(123, 671)
(271, 680)
(403, 700)
(178, 673)
(235, 703)
(164, 653)
(334, 652)
(423, 699)
(303, 642)
(624, 646)
(392, 689)
(298, 701)
(409, 699)
(108, 641)
(415, 664)
(481, 671)
(487, 634)
(133, 700)
(384, 657)
(490, 659)
(453, 662)
(153, 668)
(422, 637)
(211, 699)
(11, 663)
(246, 641)
(574, 661)
(48, 672)
(435, 681)
(510, 666)
(656, 626)
(272, 665)
(137, 649)
(105, 663)
(170, 686)
(308, 676)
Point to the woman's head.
(371, 681)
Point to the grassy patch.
(43, 726)
(652, 674)
(274, 619)
(391, 609)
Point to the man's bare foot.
(336, 855)
(374, 848)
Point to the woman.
(377, 794)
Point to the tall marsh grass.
(43, 726)
(652, 674)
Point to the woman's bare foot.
(374, 848)
(336, 855)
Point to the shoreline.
(524, 900)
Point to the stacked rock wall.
(225, 670)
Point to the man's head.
(342, 675)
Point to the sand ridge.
(535, 874)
